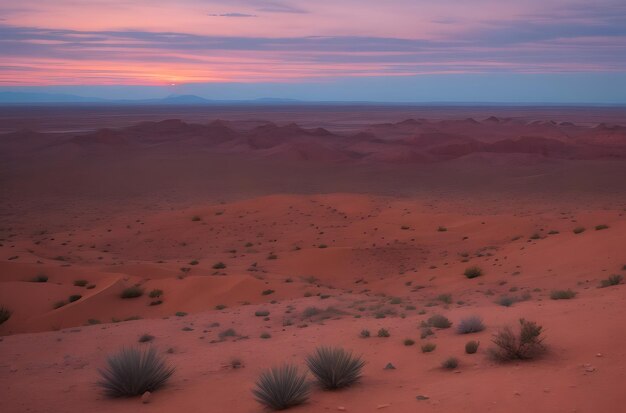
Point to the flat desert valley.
(235, 239)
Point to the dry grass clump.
(335, 367)
(282, 387)
(471, 324)
(525, 345)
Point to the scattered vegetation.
(473, 272)
(282, 387)
(5, 314)
(442, 229)
(219, 266)
(527, 344)
(155, 293)
(428, 347)
(614, 279)
(134, 371)
(409, 341)
(335, 367)
(450, 363)
(80, 283)
(144, 338)
(196, 218)
(74, 297)
(265, 335)
(439, 321)
(471, 347)
(261, 313)
(364, 333)
(383, 332)
(562, 294)
(601, 227)
(230, 332)
(40, 279)
(472, 324)
(267, 292)
(579, 230)
(445, 298)
(132, 292)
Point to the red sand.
(115, 208)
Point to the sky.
(366, 50)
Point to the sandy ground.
(364, 250)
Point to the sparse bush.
(579, 230)
(383, 332)
(562, 294)
(472, 324)
(601, 227)
(155, 293)
(74, 297)
(310, 312)
(450, 363)
(265, 335)
(445, 298)
(80, 283)
(59, 304)
(267, 292)
(471, 347)
(180, 314)
(426, 331)
(282, 387)
(132, 292)
(614, 279)
(473, 272)
(40, 279)
(409, 341)
(335, 367)
(395, 300)
(145, 338)
(428, 347)
(442, 229)
(261, 313)
(196, 218)
(526, 345)
(220, 307)
(219, 266)
(5, 314)
(365, 333)
(439, 321)
(134, 371)
(228, 333)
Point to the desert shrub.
(180, 314)
(579, 230)
(281, 388)
(428, 347)
(395, 300)
(5, 314)
(261, 313)
(445, 298)
(364, 333)
(473, 272)
(471, 347)
(614, 279)
(527, 344)
(442, 229)
(310, 312)
(439, 321)
(40, 278)
(506, 301)
(562, 294)
(335, 367)
(322, 246)
(267, 292)
(219, 266)
(425, 332)
(472, 324)
(265, 335)
(450, 363)
(144, 338)
(220, 306)
(409, 341)
(74, 297)
(194, 262)
(132, 292)
(601, 227)
(196, 218)
(155, 293)
(134, 371)
(228, 333)
(59, 304)
(383, 332)
(80, 283)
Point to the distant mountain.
(26, 97)
(183, 100)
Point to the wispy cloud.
(233, 14)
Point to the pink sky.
(159, 42)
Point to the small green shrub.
(562, 294)
(471, 347)
(364, 333)
(219, 266)
(428, 347)
(439, 321)
(409, 342)
(383, 332)
(134, 371)
(450, 363)
(614, 279)
(334, 367)
(473, 272)
(5, 314)
(155, 293)
(282, 387)
(265, 335)
(132, 292)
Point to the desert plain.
(268, 231)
